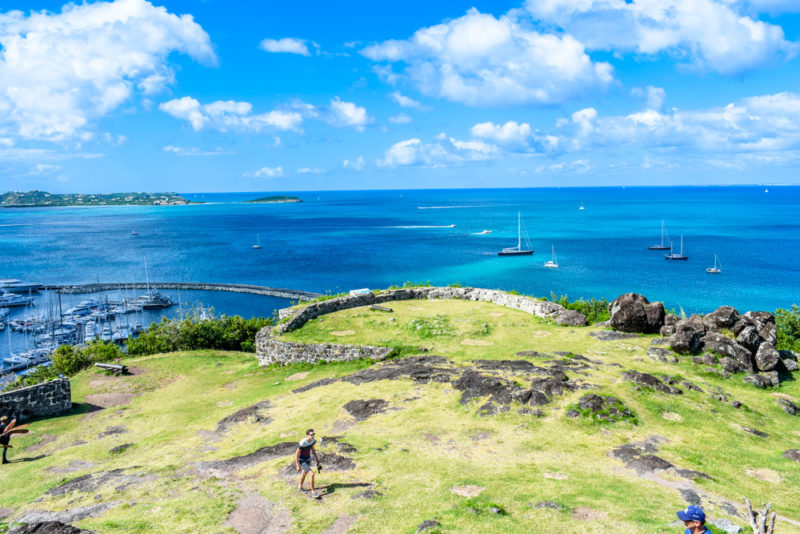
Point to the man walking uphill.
(302, 459)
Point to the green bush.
(788, 323)
(595, 310)
(69, 360)
(195, 333)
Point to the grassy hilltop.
(201, 441)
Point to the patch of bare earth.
(469, 490)
(230, 386)
(109, 400)
(46, 438)
(587, 514)
(670, 416)
(74, 466)
(496, 314)
(5, 512)
(476, 342)
(762, 473)
(342, 524)
(556, 476)
(539, 333)
(297, 376)
(343, 332)
(256, 515)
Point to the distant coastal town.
(37, 199)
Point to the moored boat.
(673, 256)
(716, 269)
(518, 250)
(663, 245)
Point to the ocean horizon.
(339, 240)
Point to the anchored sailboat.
(716, 268)
(552, 263)
(518, 250)
(663, 245)
(258, 242)
(673, 256)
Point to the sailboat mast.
(662, 232)
(519, 231)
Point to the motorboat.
(13, 300)
(14, 285)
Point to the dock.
(291, 294)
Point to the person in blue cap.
(694, 518)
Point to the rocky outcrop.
(723, 317)
(688, 332)
(632, 312)
(767, 357)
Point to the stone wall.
(48, 398)
(271, 351)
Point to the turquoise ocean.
(336, 241)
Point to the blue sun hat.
(692, 513)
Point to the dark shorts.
(305, 465)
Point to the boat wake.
(485, 232)
(419, 226)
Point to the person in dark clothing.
(302, 459)
(4, 421)
(694, 519)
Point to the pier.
(291, 294)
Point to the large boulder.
(571, 318)
(760, 318)
(748, 337)
(763, 380)
(767, 357)
(632, 312)
(723, 317)
(686, 339)
(725, 346)
(743, 323)
(769, 333)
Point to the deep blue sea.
(336, 241)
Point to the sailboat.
(663, 245)
(582, 208)
(716, 268)
(518, 250)
(553, 263)
(135, 232)
(673, 256)
(258, 242)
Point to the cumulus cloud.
(286, 45)
(266, 172)
(61, 72)
(310, 170)
(229, 115)
(404, 101)
(444, 151)
(357, 164)
(653, 96)
(348, 114)
(478, 59)
(709, 34)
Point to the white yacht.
(18, 286)
(553, 262)
(518, 250)
(716, 269)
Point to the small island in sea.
(37, 199)
(277, 199)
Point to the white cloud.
(402, 118)
(310, 170)
(61, 72)
(405, 101)
(445, 151)
(478, 59)
(286, 45)
(709, 34)
(357, 164)
(230, 115)
(653, 96)
(266, 172)
(348, 114)
(509, 133)
(41, 169)
(194, 151)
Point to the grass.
(422, 446)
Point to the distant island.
(36, 199)
(278, 199)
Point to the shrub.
(69, 360)
(788, 323)
(595, 310)
(196, 333)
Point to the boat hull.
(657, 247)
(675, 257)
(711, 270)
(515, 253)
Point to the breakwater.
(292, 294)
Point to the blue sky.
(276, 96)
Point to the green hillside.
(203, 441)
